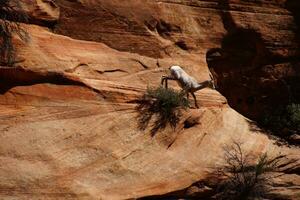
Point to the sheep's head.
(175, 68)
(176, 71)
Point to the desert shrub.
(11, 15)
(164, 104)
(284, 121)
(294, 114)
(245, 179)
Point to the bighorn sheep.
(187, 82)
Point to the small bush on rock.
(164, 104)
(245, 179)
(284, 121)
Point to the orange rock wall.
(68, 127)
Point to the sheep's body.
(188, 83)
(185, 81)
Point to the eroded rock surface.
(252, 46)
(42, 12)
(68, 120)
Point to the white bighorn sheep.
(187, 82)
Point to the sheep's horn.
(212, 80)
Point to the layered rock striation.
(68, 110)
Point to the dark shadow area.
(160, 107)
(236, 67)
(294, 7)
(191, 122)
(182, 45)
(196, 191)
(16, 76)
(241, 48)
(49, 24)
(227, 19)
(255, 79)
(284, 122)
(165, 29)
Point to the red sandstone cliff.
(68, 120)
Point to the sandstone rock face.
(43, 12)
(251, 46)
(68, 112)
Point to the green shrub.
(11, 15)
(293, 111)
(284, 121)
(164, 104)
(243, 178)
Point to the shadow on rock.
(160, 107)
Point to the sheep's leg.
(166, 84)
(187, 97)
(165, 79)
(196, 104)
